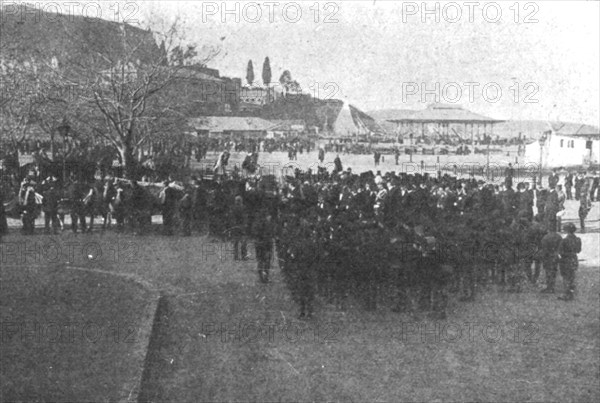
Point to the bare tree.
(17, 101)
(122, 95)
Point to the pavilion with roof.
(444, 121)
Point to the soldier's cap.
(569, 227)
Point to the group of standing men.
(342, 235)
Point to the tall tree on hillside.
(285, 78)
(266, 72)
(250, 73)
(289, 85)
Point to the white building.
(564, 145)
(257, 95)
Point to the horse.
(117, 207)
(97, 203)
(134, 206)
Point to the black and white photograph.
(299, 201)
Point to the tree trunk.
(128, 161)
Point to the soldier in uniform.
(50, 206)
(406, 256)
(263, 243)
(568, 249)
(509, 173)
(532, 255)
(338, 164)
(579, 181)
(77, 194)
(569, 185)
(169, 202)
(551, 208)
(525, 201)
(585, 205)
(27, 201)
(468, 245)
(549, 254)
(553, 179)
(186, 211)
(138, 208)
(321, 155)
(199, 203)
(239, 223)
(541, 196)
(435, 278)
(513, 257)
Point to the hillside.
(69, 40)
(314, 112)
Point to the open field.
(277, 163)
(223, 336)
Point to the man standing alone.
(568, 249)
(569, 185)
(263, 233)
(550, 243)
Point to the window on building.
(588, 144)
(561, 143)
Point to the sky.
(507, 60)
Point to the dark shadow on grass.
(156, 365)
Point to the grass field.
(223, 336)
(70, 335)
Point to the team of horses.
(105, 200)
(117, 201)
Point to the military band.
(399, 240)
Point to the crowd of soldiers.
(406, 241)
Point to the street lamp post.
(542, 142)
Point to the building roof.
(574, 129)
(288, 124)
(231, 124)
(392, 114)
(188, 73)
(443, 113)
